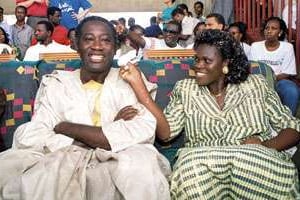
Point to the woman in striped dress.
(228, 116)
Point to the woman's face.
(208, 65)
(272, 30)
(235, 32)
(2, 37)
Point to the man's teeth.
(97, 57)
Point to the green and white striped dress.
(213, 164)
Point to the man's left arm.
(89, 135)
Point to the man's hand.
(126, 113)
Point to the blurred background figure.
(36, 10)
(5, 25)
(131, 22)
(185, 9)
(5, 48)
(70, 15)
(153, 30)
(22, 33)
(198, 9)
(238, 31)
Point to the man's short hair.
(48, 25)
(200, 3)
(218, 17)
(177, 11)
(23, 7)
(51, 10)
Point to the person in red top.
(60, 33)
(36, 10)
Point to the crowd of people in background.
(225, 110)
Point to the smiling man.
(81, 142)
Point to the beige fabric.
(48, 166)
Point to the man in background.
(70, 15)
(21, 32)
(36, 10)
(43, 33)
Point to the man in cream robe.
(43, 164)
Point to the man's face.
(171, 34)
(20, 14)
(41, 33)
(198, 9)
(1, 15)
(211, 23)
(55, 18)
(178, 17)
(96, 47)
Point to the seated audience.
(43, 33)
(171, 33)
(81, 142)
(238, 31)
(228, 116)
(188, 24)
(60, 33)
(280, 56)
(5, 48)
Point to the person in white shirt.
(188, 24)
(43, 32)
(238, 31)
(170, 37)
(280, 56)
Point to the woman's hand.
(252, 140)
(131, 74)
(126, 113)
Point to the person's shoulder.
(258, 44)
(59, 77)
(255, 81)
(285, 45)
(186, 84)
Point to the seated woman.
(228, 116)
(279, 55)
(4, 42)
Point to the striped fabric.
(221, 168)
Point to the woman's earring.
(225, 69)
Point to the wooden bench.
(59, 56)
(168, 54)
(7, 57)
